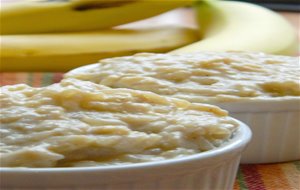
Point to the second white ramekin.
(215, 169)
(275, 124)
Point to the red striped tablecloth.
(283, 176)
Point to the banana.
(65, 51)
(48, 16)
(238, 26)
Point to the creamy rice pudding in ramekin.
(259, 89)
(77, 134)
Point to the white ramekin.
(214, 169)
(274, 121)
(275, 124)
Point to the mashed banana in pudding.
(200, 77)
(79, 123)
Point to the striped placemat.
(284, 176)
(37, 79)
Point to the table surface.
(283, 176)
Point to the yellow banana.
(229, 25)
(47, 16)
(64, 51)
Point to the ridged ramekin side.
(210, 178)
(276, 136)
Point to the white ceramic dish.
(215, 169)
(275, 124)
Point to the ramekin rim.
(241, 139)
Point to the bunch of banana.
(58, 35)
(239, 26)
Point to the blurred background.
(280, 5)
